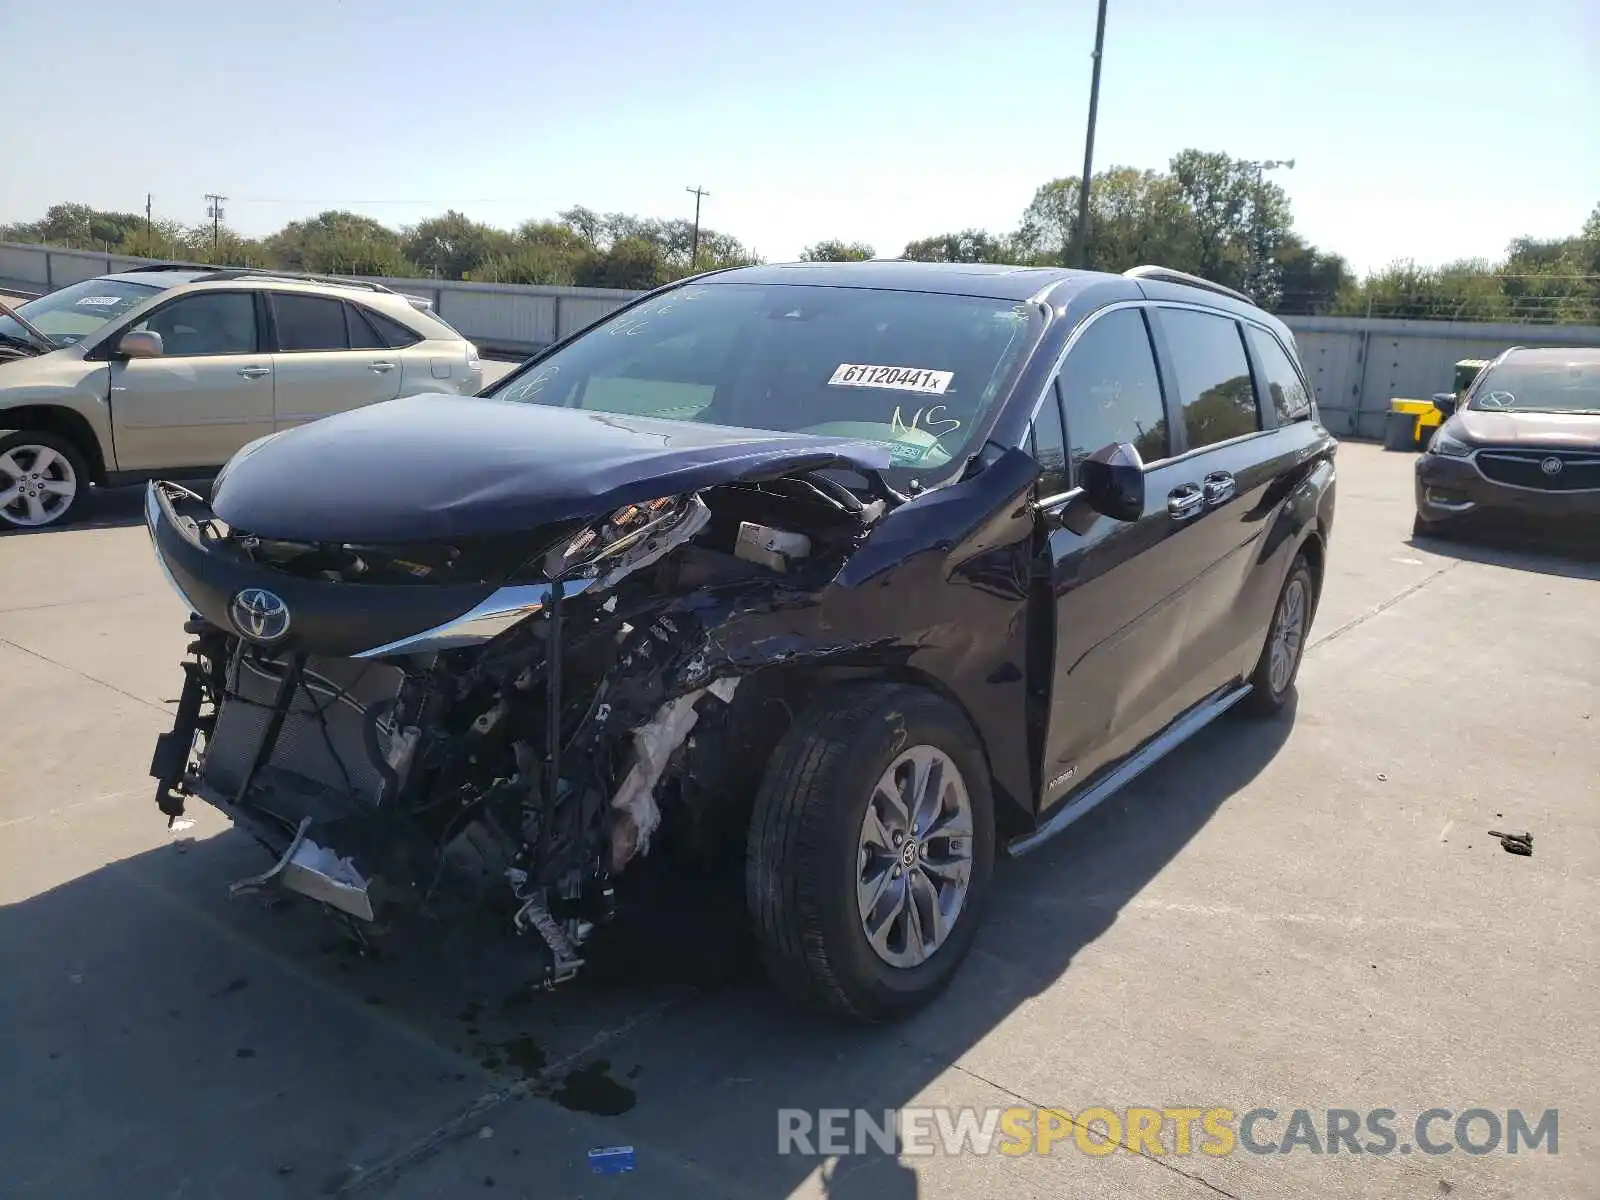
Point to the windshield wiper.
(11, 339)
(38, 337)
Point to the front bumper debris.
(316, 872)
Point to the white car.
(171, 369)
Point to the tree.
(78, 226)
(340, 243)
(633, 263)
(836, 251)
(968, 246)
(450, 246)
(1219, 197)
(1310, 280)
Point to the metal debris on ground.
(1514, 843)
(611, 1160)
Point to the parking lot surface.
(1303, 914)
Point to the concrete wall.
(1356, 364)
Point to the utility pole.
(1081, 234)
(214, 211)
(694, 246)
(148, 201)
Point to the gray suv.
(171, 369)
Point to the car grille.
(1577, 472)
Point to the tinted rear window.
(309, 322)
(1288, 390)
(1214, 384)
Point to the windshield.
(76, 311)
(915, 371)
(1548, 382)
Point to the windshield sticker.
(97, 301)
(1498, 400)
(901, 379)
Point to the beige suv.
(169, 370)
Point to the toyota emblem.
(259, 615)
(1551, 466)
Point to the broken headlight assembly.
(631, 537)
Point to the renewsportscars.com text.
(1166, 1132)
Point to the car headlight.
(1448, 447)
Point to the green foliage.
(837, 251)
(635, 263)
(450, 246)
(339, 243)
(1207, 213)
(968, 246)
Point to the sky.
(1420, 129)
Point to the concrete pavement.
(1302, 914)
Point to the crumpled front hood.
(439, 466)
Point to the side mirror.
(1445, 402)
(141, 343)
(1112, 479)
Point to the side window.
(1214, 385)
(1050, 447)
(309, 322)
(395, 335)
(205, 323)
(1110, 389)
(1288, 390)
(362, 334)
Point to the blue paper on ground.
(611, 1160)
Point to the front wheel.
(870, 851)
(1272, 682)
(43, 480)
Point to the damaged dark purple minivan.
(852, 572)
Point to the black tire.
(1266, 700)
(73, 461)
(801, 870)
(1422, 528)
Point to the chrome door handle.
(380, 367)
(255, 372)
(1219, 486)
(1185, 501)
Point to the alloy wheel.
(37, 485)
(914, 857)
(1288, 635)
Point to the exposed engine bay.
(589, 689)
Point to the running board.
(1179, 732)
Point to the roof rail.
(1170, 275)
(168, 266)
(219, 274)
(212, 273)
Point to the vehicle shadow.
(171, 1041)
(1578, 561)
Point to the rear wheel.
(1272, 682)
(870, 851)
(43, 480)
